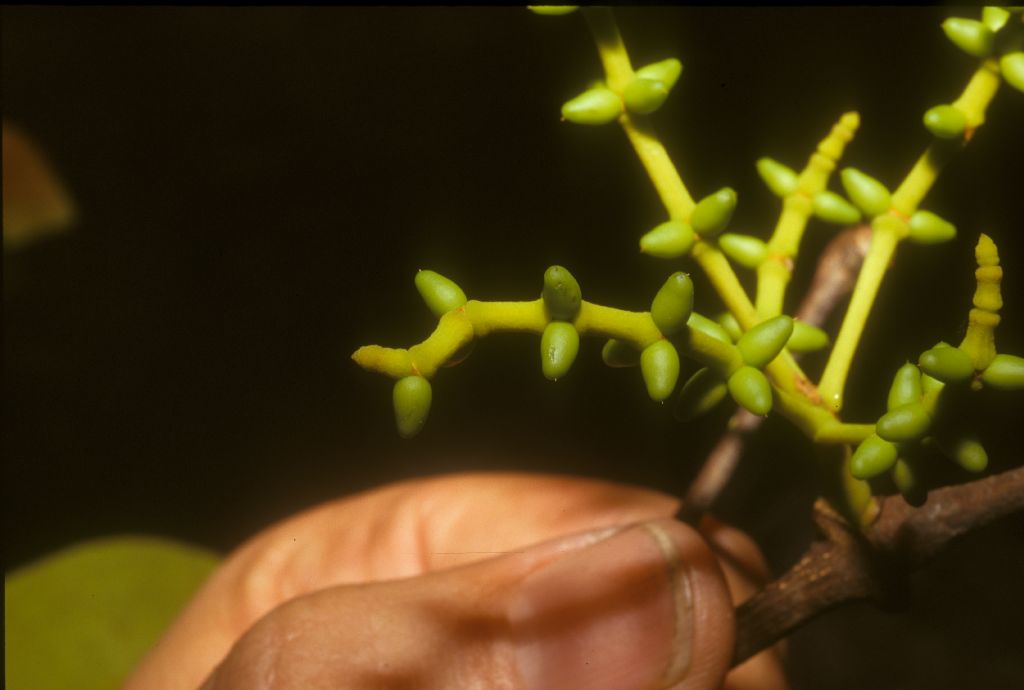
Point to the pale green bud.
(669, 240)
(441, 294)
(806, 338)
(713, 212)
(866, 192)
(595, 106)
(700, 394)
(751, 390)
(782, 180)
(969, 35)
(659, 366)
(644, 96)
(743, 249)
(673, 304)
(1011, 66)
(832, 208)
(945, 121)
(1005, 372)
(559, 345)
(411, 397)
(763, 343)
(561, 294)
(928, 228)
(666, 71)
(873, 456)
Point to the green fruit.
(673, 304)
(669, 240)
(559, 345)
(928, 228)
(713, 212)
(866, 192)
(708, 327)
(411, 397)
(945, 121)
(1011, 66)
(946, 363)
(750, 389)
(969, 35)
(931, 386)
(561, 294)
(763, 343)
(806, 338)
(618, 354)
(597, 106)
(727, 321)
(782, 180)
(908, 476)
(994, 18)
(552, 10)
(743, 249)
(644, 96)
(1006, 372)
(832, 208)
(906, 387)
(441, 294)
(700, 394)
(906, 423)
(873, 456)
(970, 455)
(666, 71)
(659, 365)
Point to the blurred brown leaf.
(36, 203)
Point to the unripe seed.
(946, 363)
(906, 423)
(713, 212)
(970, 454)
(832, 208)
(552, 10)
(994, 18)
(559, 345)
(873, 456)
(618, 354)
(673, 304)
(928, 228)
(806, 338)
(866, 192)
(750, 389)
(762, 343)
(969, 35)
(945, 121)
(700, 394)
(659, 366)
(1011, 66)
(595, 106)
(906, 387)
(743, 249)
(561, 294)
(907, 475)
(781, 179)
(666, 71)
(669, 240)
(411, 397)
(1005, 372)
(441, 294)
(727, 321)
(644, 96)
(708, 327)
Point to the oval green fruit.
(832, 208)
(994, 18)
(970, 454)
(873, 456)
(708, 327)
(597, 106)
(712, 213)
(669, 240)
(945, 121)
(411, 397)
(619, 354)
(906, 423)
(666, 71)
(561, 293)
(727, 321)
(1011, 66)
(806, 338)
(866, 192)
(673, 304)
(969, 35)
(703, 391)
(559, 345)
(1005, 372)
(743, 249)
(659, 365)
(908, 476)
(947, 364)
(906, 387)
(763, 343)
(751, 390)
(644, 96)
(781, 179)
(928, 228)
(440, 294)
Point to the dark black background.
(257, 188)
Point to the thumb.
(638, 607)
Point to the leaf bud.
(713, 212)
(906, 387)
(1005, 372)
(781, 179)
(552, 10)
(708, 327)
(763, 343)
(561, 294)
(1011, 66)
(947, 363)
(669, 240)
(659, 366)
(945, 121)
(559, 345)
(644, 96)
(596, 106)
(928, 228)
(699, 395)
(906, 423)
(970, 454)
(727, 321)
(873, 456)
(751, 390)
(969, 35)
(666, 71)
(411, 397)
(441, 294)
(866, 192)
(832, 208)
(673, 304)
(908, 476)
(619, 354)
(806, 338)
(743, 249)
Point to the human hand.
(511, 582)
